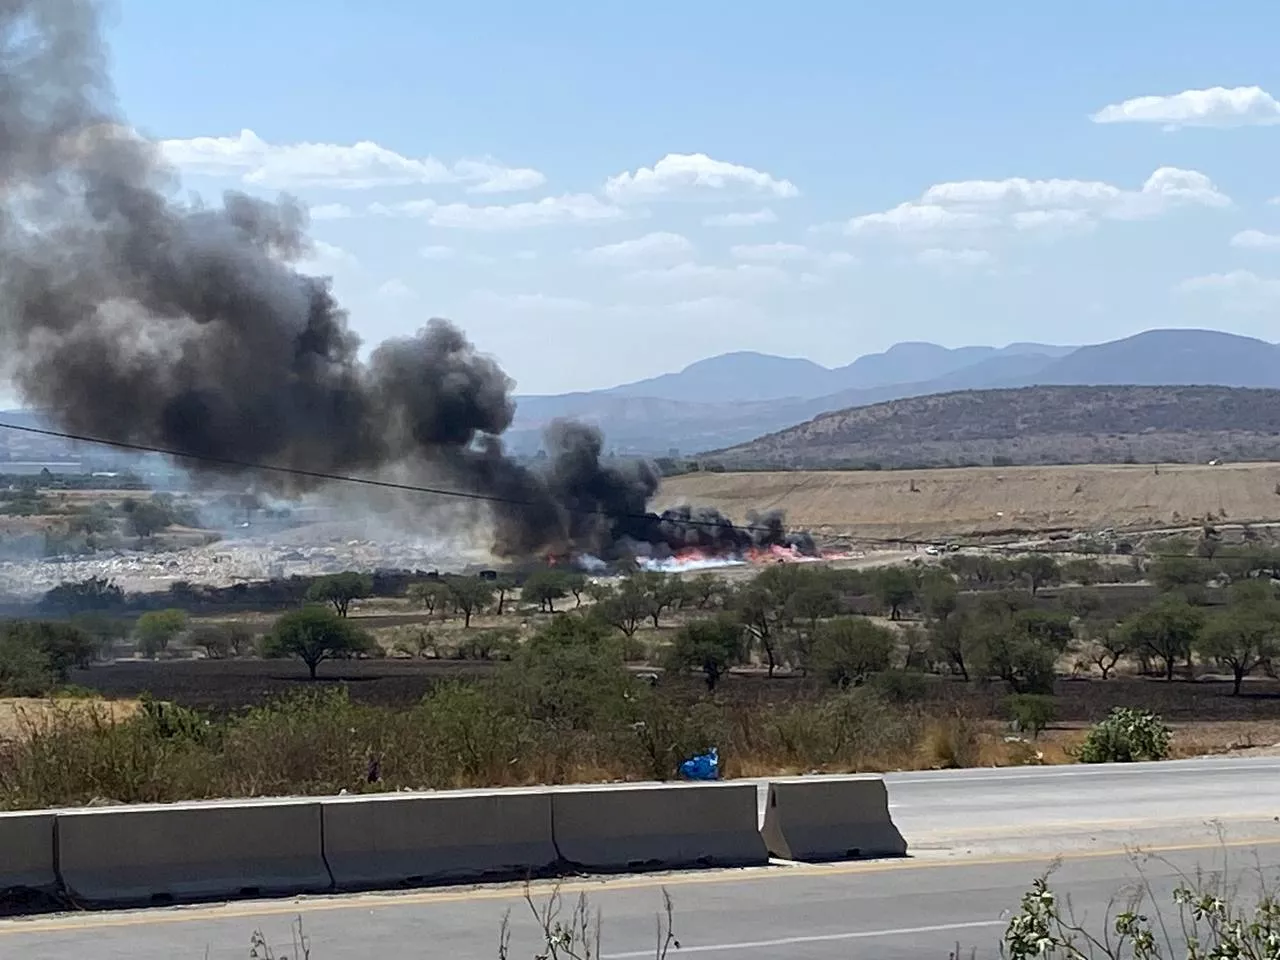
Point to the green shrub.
(25, 670)
(711, 646)
(1125, 736)
(169, 721)
(899, 686)
(570, 675)
(157, 629)
(1213, 920)
(847, 650)
(314, 634)
(852, 730)
(37, 655)
(1032, 712)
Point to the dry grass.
(18, 715)
(1058, 744)
(1246, 738)
(79, 751)
(984, 499)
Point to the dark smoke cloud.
(128, 315)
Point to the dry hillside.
(931, 503)
(1032, 425)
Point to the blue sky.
(600, 192)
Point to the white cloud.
(526, 254)
(358, 166)
(749, 218)
(324, 258)
(395, 289)
(685, 176)
(1020, 191)
(1052, 221)
(566, 209)
(709, 306)
(1214, 107)
(530, 302)
(1046, 205)
(766, 252)
(329, 251)
(789, 253)
(1169, 187)
(1165, 188)
(707, 276)
(331, 211)
(437, 252)
(1239, 289)
(914, 219)
(1256, 240)
(964, 257)
(490, 176)
(651, 248)
(839, 258)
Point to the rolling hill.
(734, 397)
(1030, 425)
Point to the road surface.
(978, 837)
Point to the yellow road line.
(373, 901)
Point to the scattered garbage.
(702, 766)
(226, 562)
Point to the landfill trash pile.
(233, 561)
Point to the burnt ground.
(221, 685)
(228, 684)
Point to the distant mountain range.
(735, 397)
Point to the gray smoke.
(128, 315)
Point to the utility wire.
(465, 494)
(347, 478)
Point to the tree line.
(973, 617)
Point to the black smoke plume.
(128, 315)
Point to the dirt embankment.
(931, 503)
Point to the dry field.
(976, 500)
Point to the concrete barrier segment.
(417, 839)
(621, 827)
(830, 818)
(189, 852)
(27, 857)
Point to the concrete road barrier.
(657, 826)
(27, 861)
(398, 840)
(830, 818)
(197, 851)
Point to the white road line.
(820, 938)
(1073, 770)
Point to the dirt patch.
(924, 503)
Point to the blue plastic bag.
(703, 766)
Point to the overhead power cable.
(329, 477)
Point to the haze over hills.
(734, 397)
(749, 376)
(1030, 425)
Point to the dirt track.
(988, 499)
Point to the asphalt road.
(979, 838)
(1057, 809)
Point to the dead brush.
(952, 742)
